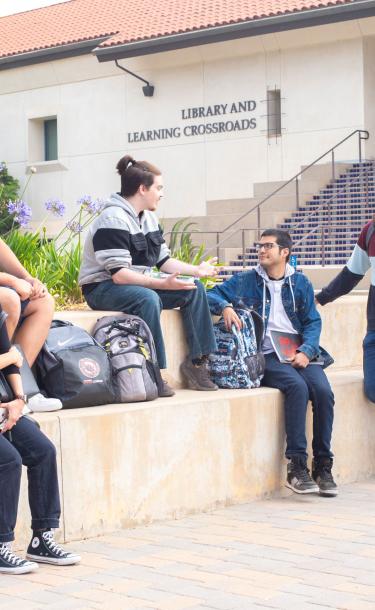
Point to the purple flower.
(56, 206)
(21, 211)
(74, 226)
(89, 205)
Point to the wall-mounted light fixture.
(148, 90)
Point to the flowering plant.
(56, 262)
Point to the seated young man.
(123, 245)
(21, 442)
(26, 299)
(285, 300)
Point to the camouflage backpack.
(238, 361)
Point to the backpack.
(238, 361)
(72, 366)
(130, 346)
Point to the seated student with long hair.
(22, 442)
(122, 246)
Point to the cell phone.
(186, 278)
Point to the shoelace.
(325, 470)
(303, 474)
(52, 544)
(6, 553)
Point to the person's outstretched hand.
(207, 268)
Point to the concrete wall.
(321, 73)
(122, 465)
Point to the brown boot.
(166, 391)
(197, 376)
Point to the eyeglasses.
(268, 245)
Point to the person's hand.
(207, 268)
(16, 355)
(172, 283)
(14, 408)
(23, 288)
(300, 361)
(38, 289)
(230, 317)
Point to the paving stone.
(286, 552)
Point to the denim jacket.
(249, 288)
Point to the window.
(43, 145)
(273, 113)
(50, 139)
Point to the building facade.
(223, 116)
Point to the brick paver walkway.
(292, 553)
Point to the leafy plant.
(182, 247)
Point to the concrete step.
(122, 465)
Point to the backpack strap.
(369, 234)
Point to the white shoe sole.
(69, 561)
(329, 494)
(313, 490)
(20, 570)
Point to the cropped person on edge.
(123, 245)
(21, 442)
(285, 300)
(362, 258)
(29, 308)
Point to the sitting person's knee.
(11, 304)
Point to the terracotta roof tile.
(124, 21)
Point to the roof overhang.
(50, 54)
(359, 9)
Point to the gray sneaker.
(197, 376)
(40, 404)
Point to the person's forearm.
(172, 265)
(127, 276)
(7, 280)
(15, 383)
(10, 263)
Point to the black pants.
(29, 446)
(299, 386)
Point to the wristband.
(22, 397)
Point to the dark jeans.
(147, 304)
(29, 446)
(369, 364)
(299, 386)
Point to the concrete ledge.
(128, 464)
(344, 326)
(123, 465)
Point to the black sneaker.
(322, 474)
(44, 549)
(197, 376)
(298, 477)
(11, 563)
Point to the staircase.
(325, 229)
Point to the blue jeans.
(299, 386)
(28, 446)
(369, 364)
(147, 304)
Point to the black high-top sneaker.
(44, 549)
(322, 474)
(10, 563)
(298, 476)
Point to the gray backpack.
(130, 346)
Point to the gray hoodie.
(120, 238)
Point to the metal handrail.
(322, 228)
(324, 204)
(362, 135)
